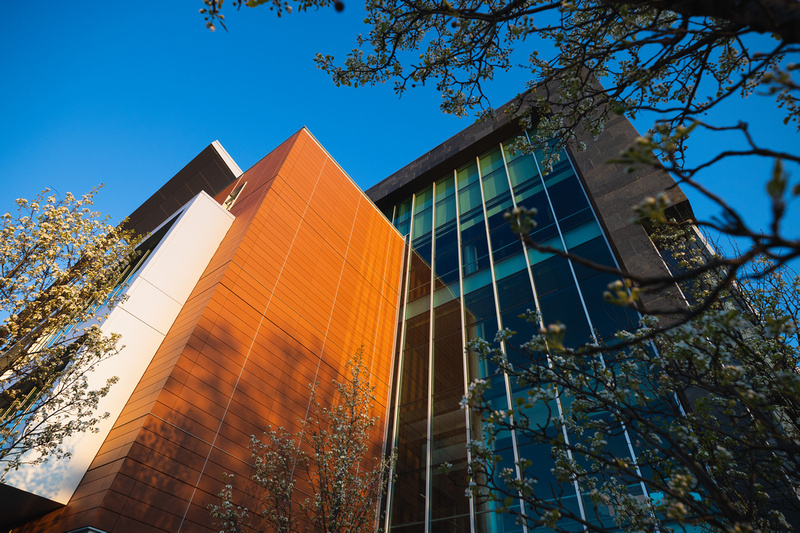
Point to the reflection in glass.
(462, 216)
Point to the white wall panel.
(155, 296)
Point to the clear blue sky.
(126, 94)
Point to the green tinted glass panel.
(466, 175)
(525, 193)
(522, 169)
(508, 150)
(469, 198)
(495, 184)
(423, 199)
(445, 187)
(404, 210)
(491, 160)
(498, 205)
(445, 210)
(422, 223)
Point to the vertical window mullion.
(429, 444)
(401, 369)
(472, 519)
(561, 413)
(628, 440)
(507, 381)
(564, 247)
(524, 248)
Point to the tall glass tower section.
(469, 276)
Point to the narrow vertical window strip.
(504, 347)
(628, 440)
(401, 369)
(472, 520)
(429, 442)
(541, 320)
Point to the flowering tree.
(344, 486)
(590, 60)
(697, 428)
(58, 262)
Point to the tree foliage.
(328, 457)
(58, 261)
(709, 400)
(704, 420)
(589, 60)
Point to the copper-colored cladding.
(309, 272)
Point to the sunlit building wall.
(308, 273)
(311, 269)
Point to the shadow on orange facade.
(309, 272)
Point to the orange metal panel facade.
(309, 272)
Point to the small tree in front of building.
(329, 456)
(661, 429)
(58, 261)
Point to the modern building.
(254, 285)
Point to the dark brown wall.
(207, 172)
(614, 192)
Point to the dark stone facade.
(208, 172)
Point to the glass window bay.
(469, 276)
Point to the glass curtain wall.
(469, 276)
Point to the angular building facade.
(293, 268)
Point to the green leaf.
(776, 187)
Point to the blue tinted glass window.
(476, 281)
(564, 306)
(446, 237)
(524, 190)
(551, 274)
(514, 320)
(509, 266)
(606, 318)
(474, 247)
(402, 219)
(479, 304)
(447, 267)
(446, 261)
(514, 290)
